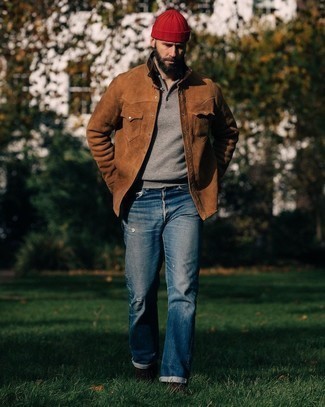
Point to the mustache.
(168, 59)
(176, 66)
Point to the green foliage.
(293, 235)
(43, 252)
(74, 210)
(16, 211)
(237, 240)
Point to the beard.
(176, 70)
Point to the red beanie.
(171, 26)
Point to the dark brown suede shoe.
(146, 375)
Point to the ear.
(153, 42)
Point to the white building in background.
(227, 14)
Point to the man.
(174, 137)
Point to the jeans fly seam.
(163, 195)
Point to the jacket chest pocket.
(201, 122)
(132, 122)
(203, 114)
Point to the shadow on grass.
(264, 288)
(90, 355)
(59, 287)
(250, 355)
(69, 348)
(230, 355)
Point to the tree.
(76, 226)
(272, 76)
(28, 31)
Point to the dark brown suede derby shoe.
(146, 375)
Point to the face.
(170, 57)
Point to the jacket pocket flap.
(204, 113)
(204, 109)
(131, 114)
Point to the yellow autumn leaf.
(97, 388)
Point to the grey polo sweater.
(165, 162)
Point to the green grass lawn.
(259, 342)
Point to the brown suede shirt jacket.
(128, 109)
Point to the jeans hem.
(141, 365)
(172, 379)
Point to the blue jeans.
(162, 224)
